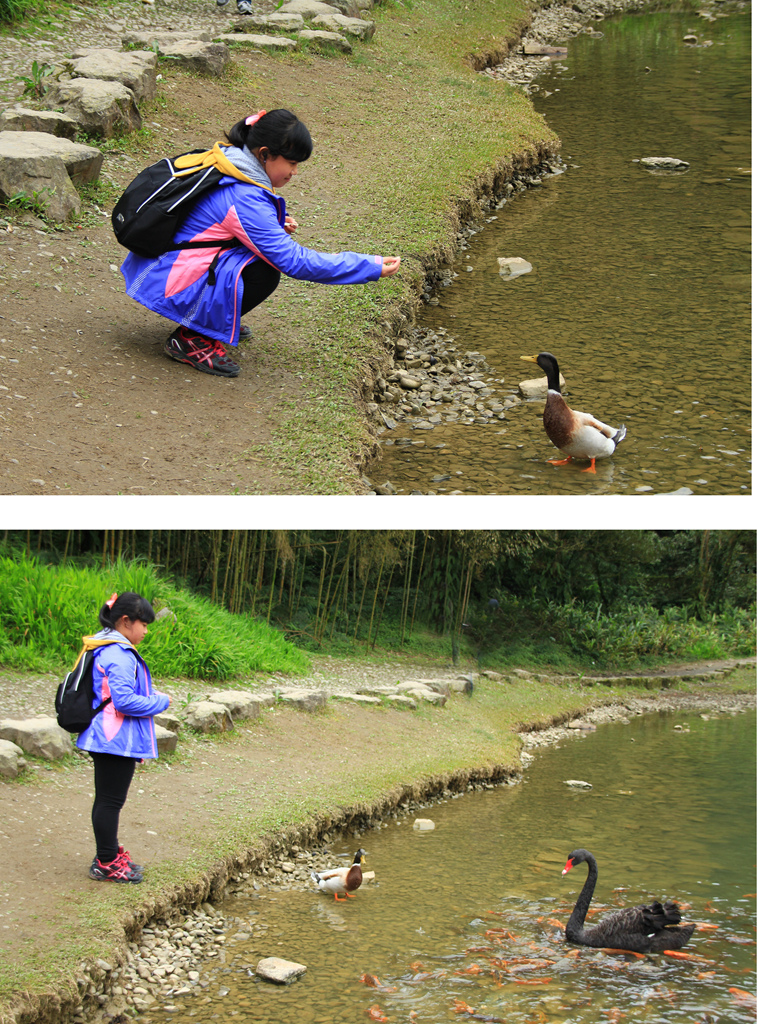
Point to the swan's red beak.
(569, 866)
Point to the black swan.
(650, 929)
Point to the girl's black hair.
(129, 604)
(280, 131)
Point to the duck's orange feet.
(350, 895)
(590, 468)
(338, 899)
(559, 462)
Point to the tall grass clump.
(46, 610)
(13, 10)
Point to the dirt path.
(89, 404)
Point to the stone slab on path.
(307, 8)
(325, 40)
(260, 42)
(51, 122)
(40, 737)
(136, 69)
(12, 761)
(36, 162)
(163, 37)
(351, 26)
(204, 58)
(103, 109)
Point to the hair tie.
(254, 117)
(112, 599)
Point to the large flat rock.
(103, 109)
(46, 168)
(259, 42)
(136, 69)
(24, 119)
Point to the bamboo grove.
(477, 587)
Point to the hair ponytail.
(280, 131)
(129, 604)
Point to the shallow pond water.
(640, 283)
(464, 922)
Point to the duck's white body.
(341, 881)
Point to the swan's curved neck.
(575, 925)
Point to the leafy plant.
(36, 203)
(35, 84)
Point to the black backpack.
(149, 213)
(73, 701)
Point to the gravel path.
(28, 695)
(104, 27)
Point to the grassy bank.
(415, 132)
(221, 798)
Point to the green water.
(641, 281)
(464, 916)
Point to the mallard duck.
(577, 434)
(341, 880)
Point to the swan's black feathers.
(643, 929)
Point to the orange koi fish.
(375, 1013)
(743, 998)
(626, 952)
(678, 955)
(473, 969)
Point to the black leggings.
(113, 776)
(259, 280)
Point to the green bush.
(46, 610)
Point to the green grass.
(428, 128)
(44, 613)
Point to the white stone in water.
(273, 968)
(513, 266)
(423, 825)
(664, 163)
(578, 784)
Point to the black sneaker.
(201, 353)
(245, 333)
(117, 870)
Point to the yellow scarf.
(215, 157)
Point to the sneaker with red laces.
(201, 353)
(117, 870)
(125, 853)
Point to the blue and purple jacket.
(125, 726)
(176, 284)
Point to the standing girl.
(207, 290)
(123, 732)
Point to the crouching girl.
(206, 291)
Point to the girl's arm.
(117, 670)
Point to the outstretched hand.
(290, 225)
(390, 265)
